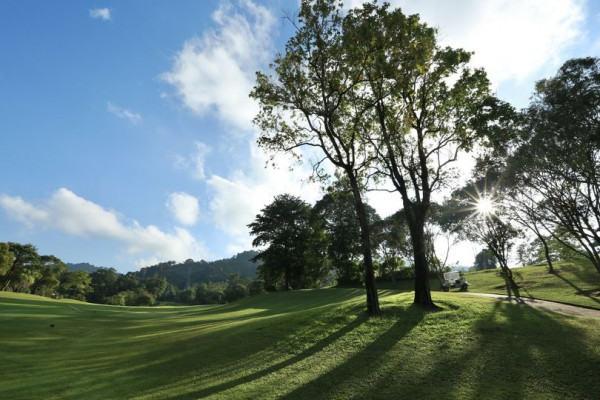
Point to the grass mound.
(571, 284)
(298, 345)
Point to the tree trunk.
(365, 241)
(286, 277)
(509, 276)
(547, 254)
(416, 225)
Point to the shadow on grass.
(359, 365)
(579, 290)
(509, 354)
(314, 349)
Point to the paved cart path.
(544, 304)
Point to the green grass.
(298, 345)
(571, 284)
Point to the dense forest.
(23, 270)
(190, 272)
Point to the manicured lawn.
(298, 345)
(572, 284)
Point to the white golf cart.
(454, 280)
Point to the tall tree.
(428, 106)
(314, 100)
(558, 158)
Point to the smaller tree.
(285, 227)
(484, 260)
(478, 219)
(75, 284)
(50, 272)
(391, 242)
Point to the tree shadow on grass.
(312, 350)
(579, 290)
(356, 368)
(513, 352)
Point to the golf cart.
(454, 280)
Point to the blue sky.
(126, 126)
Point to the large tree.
(427, 107)
(314, 100)
(285, 227)
(556, 167)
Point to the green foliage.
(210, 293)
(75, 284)
(484, 260)
(6, 258)
(103, 285)
(294, 255)
(336, 213)
(22, 269)
(192, 272)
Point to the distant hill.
(82, 267)
(192, 272)
(463, 268)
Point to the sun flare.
(485, 206)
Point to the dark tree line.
(23, 270)
(304, 246)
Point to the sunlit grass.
(571, 283)
(305, 344)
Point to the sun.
(485, 206)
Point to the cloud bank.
(65, 211)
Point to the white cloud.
(194, 162)
(69, 213)
(124, 113)
(215, 72)
(100, 13)
(184, 208)
(22, 211)
(238, 198)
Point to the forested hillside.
(190, 272)
(82, 267)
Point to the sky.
(126, 133)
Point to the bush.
(404, 273)
(144, 298)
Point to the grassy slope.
(298, 345)
(572, 284)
